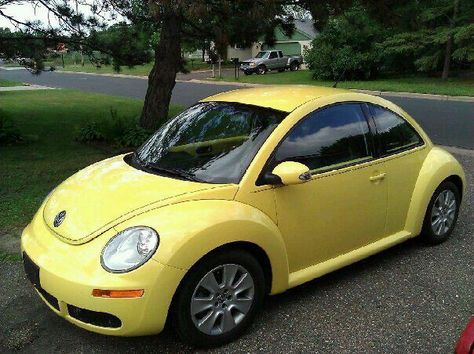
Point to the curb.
(124, 76)
(426, 96)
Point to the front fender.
(438, 165)
(190, 230)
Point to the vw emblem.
(58, 220)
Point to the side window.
(328, 139)
(280, 54)
(273, 55)
(394, 133)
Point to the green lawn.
(49, 120)
(9, 83)
(72, 63)
(139, 70)
(452, 87)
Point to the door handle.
(377, 177)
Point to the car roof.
(280, 97)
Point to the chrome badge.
(58, 220)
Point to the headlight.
(129, 249)
(252, 64)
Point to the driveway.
(446, 122)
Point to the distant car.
(248, 192)
(271, 60)
(465, 343)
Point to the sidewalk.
(26, 88)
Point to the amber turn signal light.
(118, 294)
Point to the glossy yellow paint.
(305, 230)
(291, 172)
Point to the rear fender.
(438, 166)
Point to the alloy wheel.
(443, 212)
(222, 299)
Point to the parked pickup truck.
(270, 60)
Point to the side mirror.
(290, 172)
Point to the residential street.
(447, 122)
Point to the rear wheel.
(218, 299)
(442, 213)
(294, 66)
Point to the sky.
(27, 12)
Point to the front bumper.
(248, 69)
(67, 275)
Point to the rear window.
(394, 133)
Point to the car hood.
(109, 192)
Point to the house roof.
(280, 97)
(307, 27)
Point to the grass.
(9, 83)
(49, 121)
(451, 87)
(72, 63)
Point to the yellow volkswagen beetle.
(246, 193)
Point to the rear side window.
(273, 55)
(328, 139)
(394, 133)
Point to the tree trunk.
(162, 78)
(449, 43)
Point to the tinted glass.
(211, 142)
(273, 55)
(394, 133)
(328, 138)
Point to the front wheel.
(261, 69)
(218, 298)
(442, 213)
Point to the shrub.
(117, 131)
(90, 132)
(346, 47)
(9, 133)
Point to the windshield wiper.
(174, 172)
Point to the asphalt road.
(409, 299)
(446, 122)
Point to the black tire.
(248, 72)
(261, 69)
(281, 70)
(294, 66)
(428, 234)
(182, 319)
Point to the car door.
(281, 60)
(272, 60)
(402, 153)
(343, 206)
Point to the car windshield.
(211, 142)
(261, 54)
